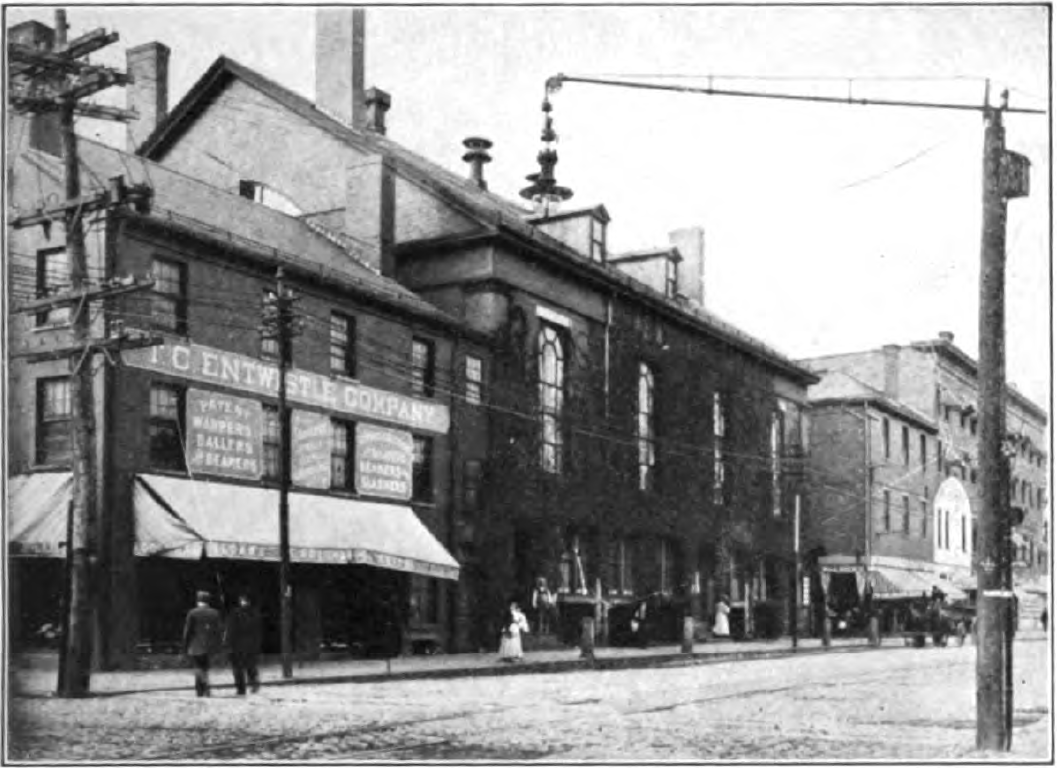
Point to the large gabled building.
(638, 444)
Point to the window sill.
(66, 326)
(51, 467)
(344, 377)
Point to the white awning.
(182, 518)
(36, 511)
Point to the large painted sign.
(384, 459)
(215, 366)
(223, 434)
(310, 438)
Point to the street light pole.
(796, 569)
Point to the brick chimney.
(370, 209)
(41, 130)
(947, 337)
(340, 43)
(691, 244)
(891, 370)
(148, 93)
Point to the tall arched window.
(552, 397)
(646, 428)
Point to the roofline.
(599, 209)
(882, 404)
(629, 257)
(317, 273)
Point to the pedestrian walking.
(202, 638)
(513, 625)
(242, 637)
(721, 625)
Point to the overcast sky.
(829, 228)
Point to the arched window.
(552, 396)
(646, 428)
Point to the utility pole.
(67, 80)
(279, 324)
(1005, 175)
(796, 570)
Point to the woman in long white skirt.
(510, 641)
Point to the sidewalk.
(35, 674)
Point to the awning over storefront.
(182, 518)
(893, 583)
(36, 512)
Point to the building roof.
(498, 215)
(192, 206)
(881, 403)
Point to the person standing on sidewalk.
(721, 626)
(510, 642)
(242, 637)
(202, 638)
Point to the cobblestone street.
(895, 703)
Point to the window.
(169, 296)
(939, 455)
(269, 343)
(573, 566)
(923, 447)
(1038, 501)
(647, 436)
(972, 426)
(620, 557)
(53, 277)
(54, 411)
(423, 367)
(719, 434)
(972, 476)
(552, 396)
(886, 437)
(422, 470)
(906, 446)
(667, 562)
(471, 486)
(342, 345)
(906, 515)
(598, 240)
(963, 531)
(425, 602)
(887, 511)
(776, 463)
(974, 542)
(924, 519)
(167, 427)
(342, 454)
(671, 278)
(939, 528)
(271, 442)
(474, 379)
(946, 529)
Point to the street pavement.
(727, 701)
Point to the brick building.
(636, 441)
(381, 382)
(894, 491)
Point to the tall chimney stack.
(340, 42)
(891, 370)
(370, 209)
(148, 93)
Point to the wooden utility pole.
(1005, 175)
(279, 325)
(67, 80)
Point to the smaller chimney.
(691, 245)
(148, 93)
(947, 336)
(477, 155)
(40, 129)
(378, 103)
(370, 209)
(891, 370)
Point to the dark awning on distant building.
(36, 511)
(189, 519)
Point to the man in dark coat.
(242, 636)
(202, 638)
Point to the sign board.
(224, 434)
(384, 459)
(310, 439)
(228, 369)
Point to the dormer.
(657, 267)
(583, 229)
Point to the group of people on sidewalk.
(206, 633)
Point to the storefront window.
(424, 600)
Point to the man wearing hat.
(202, 638)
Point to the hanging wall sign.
(310, 438)
(384, 459)
(223, 434)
